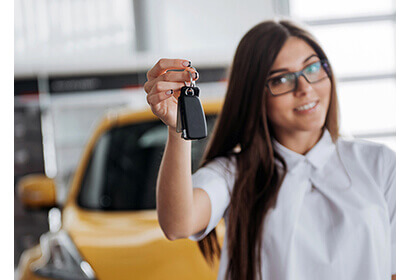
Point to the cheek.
(324, 93)
(279, 108)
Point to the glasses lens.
(282, 83)
(315, 72)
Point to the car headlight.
(60, 258)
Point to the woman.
(298, 201)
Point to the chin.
(293, 125)
(312, 126)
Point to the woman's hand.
(164, 87)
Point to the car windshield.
(123, 168)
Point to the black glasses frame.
(323, 62)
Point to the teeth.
(306, 107)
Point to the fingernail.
(186, 63)
(169, 92)
(194, 75)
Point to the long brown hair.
(243, 124)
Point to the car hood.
(130, 245)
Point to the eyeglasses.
(288, 82)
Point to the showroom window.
(359, 39)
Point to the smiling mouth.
(307, 106)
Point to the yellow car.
(108, 227)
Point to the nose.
(303, 86)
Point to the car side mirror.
(37, 191)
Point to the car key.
(190, 114)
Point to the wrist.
(172, 132)
(174, 135)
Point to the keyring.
(192, 82)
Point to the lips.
(306, 105)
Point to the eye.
(279, 80)
(313, 68)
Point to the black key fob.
(191, 118)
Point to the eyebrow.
(285, 69)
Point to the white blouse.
(335, 217)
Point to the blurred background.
(77, 60)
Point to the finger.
(185, 75)
(163, 86)
(173, 76)
(153, 99)
(165, 64)
(163, 95)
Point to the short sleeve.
(390, 196)
(216, 179)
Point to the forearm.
(174, 187)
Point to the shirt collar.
(317, 156)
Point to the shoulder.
(222, 167)
(378, 159)
(225, 167)
(222, 163)
(365, 150)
